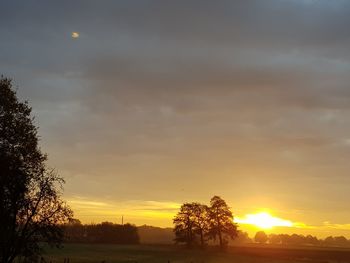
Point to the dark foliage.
(221, 221)
(196, 223)
(301, 240)
(185, 225)
(31, 207)
(261, 237)
(106, 233)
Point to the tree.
(109, 233)
(295, 239)
(200, 218)
(311, 240)
(31, 207)
(260, 237)
(285, 239)
(191, 222)
(74, 231)
(274, 239)
(185, 225)
(340, 241)
(221, 221)
(329, 241)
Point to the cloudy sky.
(154, 103)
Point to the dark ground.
(79, 253)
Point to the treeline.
(198, 224)
(301, 240)
(105, 232)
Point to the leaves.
(196, 223)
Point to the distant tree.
(311, 240)
(296, 239)
(260, 237)
(185, 225)
(340, 241)
(31, 207)
(285, 239)
(274, 239)
(329, 241)
(221, 223)
(200, 218)
(74, 231)
(105, 232)
(110, 233)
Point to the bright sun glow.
(263, 220)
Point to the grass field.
(79, 253)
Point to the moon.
(75, 35)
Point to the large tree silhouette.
(191, 224)
(31, 207)
(201, 223)
(196, 221)
(221, 221)
(185, 225)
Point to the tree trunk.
(202, 239)
(219, 229)
(220, 239)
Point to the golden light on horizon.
(264, 220)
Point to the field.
(79, 253)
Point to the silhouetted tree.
(329, 241)
(295, 239)
(185, 225)
(200, 218)
(274, 239)
(311, 240)
(284, 239)
(110, 233)
(30, 194)
(221, 223)
(340, 241)
(74, 231)
(260, 237)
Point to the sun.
(264, 220)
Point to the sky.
(145, 105)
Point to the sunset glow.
(143, 106)
(264, 220)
